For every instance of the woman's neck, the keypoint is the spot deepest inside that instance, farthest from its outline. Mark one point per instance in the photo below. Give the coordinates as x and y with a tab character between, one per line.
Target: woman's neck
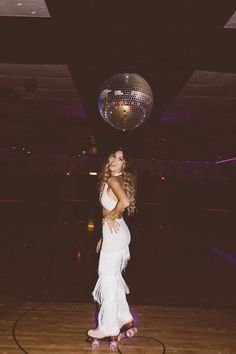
117	174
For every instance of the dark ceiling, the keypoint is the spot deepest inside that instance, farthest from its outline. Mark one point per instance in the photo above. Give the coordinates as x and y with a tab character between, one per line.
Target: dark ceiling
180	47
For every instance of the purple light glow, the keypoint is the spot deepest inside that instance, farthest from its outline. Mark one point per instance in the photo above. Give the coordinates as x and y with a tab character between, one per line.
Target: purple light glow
200	162
135	315
76	110
229	258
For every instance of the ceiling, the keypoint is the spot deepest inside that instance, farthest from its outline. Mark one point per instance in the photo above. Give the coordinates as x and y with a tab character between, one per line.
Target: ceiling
24	8
54	65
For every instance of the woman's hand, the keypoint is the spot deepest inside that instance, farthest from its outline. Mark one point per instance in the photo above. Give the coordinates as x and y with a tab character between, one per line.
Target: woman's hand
113	225
98	246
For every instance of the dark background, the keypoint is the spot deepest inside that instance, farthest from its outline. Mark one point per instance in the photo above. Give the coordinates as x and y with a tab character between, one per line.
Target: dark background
183	236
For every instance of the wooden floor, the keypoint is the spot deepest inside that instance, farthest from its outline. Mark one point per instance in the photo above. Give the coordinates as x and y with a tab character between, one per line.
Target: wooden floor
61	327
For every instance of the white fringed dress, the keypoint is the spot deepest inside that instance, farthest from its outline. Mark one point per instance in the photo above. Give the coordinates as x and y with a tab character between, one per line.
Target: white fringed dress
110	290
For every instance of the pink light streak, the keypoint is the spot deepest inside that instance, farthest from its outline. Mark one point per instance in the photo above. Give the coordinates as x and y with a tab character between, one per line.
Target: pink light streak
224	161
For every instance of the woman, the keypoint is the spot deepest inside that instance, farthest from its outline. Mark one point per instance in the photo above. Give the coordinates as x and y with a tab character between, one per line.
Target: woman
117	192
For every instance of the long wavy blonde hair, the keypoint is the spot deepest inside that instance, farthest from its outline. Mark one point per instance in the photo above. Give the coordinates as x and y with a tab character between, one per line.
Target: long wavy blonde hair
129	182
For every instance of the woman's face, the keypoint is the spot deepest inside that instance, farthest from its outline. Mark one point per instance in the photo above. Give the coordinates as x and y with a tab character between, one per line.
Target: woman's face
116	162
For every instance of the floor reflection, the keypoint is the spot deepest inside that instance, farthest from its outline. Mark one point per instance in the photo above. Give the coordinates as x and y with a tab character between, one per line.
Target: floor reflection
180	256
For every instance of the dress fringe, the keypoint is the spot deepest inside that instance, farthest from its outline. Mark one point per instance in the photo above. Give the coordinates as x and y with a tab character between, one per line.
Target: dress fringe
111	279
115	282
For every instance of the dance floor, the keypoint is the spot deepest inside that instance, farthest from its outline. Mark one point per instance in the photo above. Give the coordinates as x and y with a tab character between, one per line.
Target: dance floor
181	277
52	327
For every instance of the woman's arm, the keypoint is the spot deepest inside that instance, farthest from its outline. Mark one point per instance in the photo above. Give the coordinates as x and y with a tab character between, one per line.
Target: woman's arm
98	246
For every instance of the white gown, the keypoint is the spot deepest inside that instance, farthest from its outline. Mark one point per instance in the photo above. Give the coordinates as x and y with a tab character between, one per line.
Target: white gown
110	290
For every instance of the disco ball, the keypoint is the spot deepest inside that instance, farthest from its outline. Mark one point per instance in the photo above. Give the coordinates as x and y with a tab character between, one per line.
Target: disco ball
125	101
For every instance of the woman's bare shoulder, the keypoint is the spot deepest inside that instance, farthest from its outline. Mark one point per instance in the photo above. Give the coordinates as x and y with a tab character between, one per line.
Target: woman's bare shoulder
114	181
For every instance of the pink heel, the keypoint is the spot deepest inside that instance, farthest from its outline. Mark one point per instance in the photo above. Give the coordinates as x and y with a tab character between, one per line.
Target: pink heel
131	332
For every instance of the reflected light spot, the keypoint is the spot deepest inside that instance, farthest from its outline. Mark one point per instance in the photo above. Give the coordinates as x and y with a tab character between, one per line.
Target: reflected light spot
90	225
78	256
